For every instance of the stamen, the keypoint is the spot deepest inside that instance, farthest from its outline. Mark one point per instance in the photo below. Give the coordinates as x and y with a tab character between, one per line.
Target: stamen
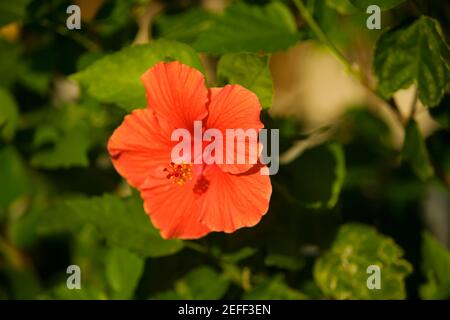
179	173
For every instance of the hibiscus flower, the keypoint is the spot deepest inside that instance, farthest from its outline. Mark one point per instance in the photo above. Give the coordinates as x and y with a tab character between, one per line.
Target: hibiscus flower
188	200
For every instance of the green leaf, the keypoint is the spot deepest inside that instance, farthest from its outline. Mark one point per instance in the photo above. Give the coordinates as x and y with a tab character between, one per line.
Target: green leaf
116	78
11	11
199	284
383	4
184	27
61	292
341	6
8	115
13	177
69	150
317	176
248	28
436	266
122	222
414	54
123	271
341	271
65	134
274	288
415	151
250	71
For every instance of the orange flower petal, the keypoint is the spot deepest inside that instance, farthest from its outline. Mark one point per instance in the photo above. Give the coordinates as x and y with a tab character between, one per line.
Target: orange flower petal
234	107
139	146
177	93
173	209
234	201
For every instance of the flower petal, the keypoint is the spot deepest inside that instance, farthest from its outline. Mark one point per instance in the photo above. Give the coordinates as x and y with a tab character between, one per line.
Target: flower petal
173	209
234	107
176	92
139	146
235	201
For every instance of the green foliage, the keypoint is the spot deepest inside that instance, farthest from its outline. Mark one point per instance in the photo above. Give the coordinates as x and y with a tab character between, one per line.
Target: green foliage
249	28
250	71
436	267
13	177
11	11
9	60
274	288
65	138
284	262
341	272
8	115
63	203
123	270
383	4
199	284
415	151
184	27
313	189
342	6
122	222
415	54
116	77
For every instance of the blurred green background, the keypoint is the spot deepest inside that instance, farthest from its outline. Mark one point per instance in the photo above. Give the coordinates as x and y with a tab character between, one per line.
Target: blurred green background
364	119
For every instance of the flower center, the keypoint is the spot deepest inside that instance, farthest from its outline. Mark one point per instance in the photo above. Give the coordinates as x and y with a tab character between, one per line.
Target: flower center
179	173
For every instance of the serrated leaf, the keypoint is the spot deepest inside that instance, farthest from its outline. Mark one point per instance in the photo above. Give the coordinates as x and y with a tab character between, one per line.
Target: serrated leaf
123	271
383	4
122	221
8	115
184	27
69	150
414	54
274	288
341	271
415	151
250	28
436	267
317	176
199	284
116	78
250	71
66	133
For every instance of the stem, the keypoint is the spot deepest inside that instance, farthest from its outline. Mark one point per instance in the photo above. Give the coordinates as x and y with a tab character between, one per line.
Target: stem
324	38
80	38
195	246
351	68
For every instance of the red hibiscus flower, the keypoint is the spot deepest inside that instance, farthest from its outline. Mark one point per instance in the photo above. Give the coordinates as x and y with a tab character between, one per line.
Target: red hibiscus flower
189	200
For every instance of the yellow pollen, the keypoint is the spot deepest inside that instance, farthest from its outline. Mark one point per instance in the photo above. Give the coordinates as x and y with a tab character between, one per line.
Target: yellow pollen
179	173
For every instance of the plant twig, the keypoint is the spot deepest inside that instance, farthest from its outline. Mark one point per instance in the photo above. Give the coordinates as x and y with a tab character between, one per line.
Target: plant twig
351	68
